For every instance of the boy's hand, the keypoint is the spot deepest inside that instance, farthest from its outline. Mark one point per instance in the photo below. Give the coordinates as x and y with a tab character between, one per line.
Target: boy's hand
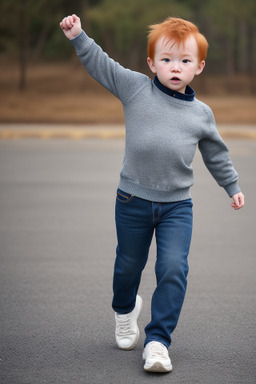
238	201
71	26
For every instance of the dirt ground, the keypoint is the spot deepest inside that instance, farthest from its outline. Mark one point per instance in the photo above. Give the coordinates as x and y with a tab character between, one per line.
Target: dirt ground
65	93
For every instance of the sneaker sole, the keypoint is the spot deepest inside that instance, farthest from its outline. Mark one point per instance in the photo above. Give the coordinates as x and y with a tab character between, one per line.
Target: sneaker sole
158	367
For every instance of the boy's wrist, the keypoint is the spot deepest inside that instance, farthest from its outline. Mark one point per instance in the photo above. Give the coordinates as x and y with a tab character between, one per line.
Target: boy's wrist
74	37
232	189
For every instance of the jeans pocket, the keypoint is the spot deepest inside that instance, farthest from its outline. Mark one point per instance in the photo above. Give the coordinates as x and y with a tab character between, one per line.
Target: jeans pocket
124	197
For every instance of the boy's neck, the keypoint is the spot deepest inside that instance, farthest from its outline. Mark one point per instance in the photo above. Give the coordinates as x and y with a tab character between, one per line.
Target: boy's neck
187	96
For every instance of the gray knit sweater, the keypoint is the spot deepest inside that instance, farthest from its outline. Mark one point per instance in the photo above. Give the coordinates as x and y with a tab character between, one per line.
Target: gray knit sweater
162	131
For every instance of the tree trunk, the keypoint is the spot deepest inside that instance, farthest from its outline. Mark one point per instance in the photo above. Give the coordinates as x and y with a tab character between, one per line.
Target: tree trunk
230	65
133	58
84	19
23	45
37	54
251	57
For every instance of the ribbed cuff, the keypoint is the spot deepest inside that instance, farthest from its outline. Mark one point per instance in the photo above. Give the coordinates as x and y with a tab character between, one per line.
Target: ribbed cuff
81	42
232	189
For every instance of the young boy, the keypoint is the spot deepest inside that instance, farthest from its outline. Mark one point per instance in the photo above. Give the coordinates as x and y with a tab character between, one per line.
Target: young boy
164	124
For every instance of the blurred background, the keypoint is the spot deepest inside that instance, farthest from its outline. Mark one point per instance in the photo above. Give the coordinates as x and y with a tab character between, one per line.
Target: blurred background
42	81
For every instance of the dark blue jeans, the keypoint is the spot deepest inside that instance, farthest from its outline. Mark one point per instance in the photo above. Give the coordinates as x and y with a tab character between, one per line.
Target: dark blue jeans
136	222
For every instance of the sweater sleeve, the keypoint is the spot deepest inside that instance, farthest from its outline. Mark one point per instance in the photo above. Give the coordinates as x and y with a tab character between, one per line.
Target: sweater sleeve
216	157
122	82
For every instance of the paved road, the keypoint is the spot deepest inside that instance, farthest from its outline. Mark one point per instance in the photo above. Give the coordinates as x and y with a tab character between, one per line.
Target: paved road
57	245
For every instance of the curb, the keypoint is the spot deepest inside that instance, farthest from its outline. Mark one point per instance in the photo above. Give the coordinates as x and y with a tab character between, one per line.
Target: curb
48	131
74	134
15	132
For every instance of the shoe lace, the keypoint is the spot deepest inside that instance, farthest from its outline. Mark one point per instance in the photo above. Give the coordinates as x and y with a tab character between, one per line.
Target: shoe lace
123	326
157	349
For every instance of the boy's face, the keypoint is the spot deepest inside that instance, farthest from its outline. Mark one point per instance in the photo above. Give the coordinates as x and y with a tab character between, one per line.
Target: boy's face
176	65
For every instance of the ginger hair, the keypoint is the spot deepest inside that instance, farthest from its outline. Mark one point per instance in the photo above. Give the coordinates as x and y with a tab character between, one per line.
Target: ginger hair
178	30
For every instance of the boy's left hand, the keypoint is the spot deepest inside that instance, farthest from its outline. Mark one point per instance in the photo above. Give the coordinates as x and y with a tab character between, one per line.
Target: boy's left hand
238	201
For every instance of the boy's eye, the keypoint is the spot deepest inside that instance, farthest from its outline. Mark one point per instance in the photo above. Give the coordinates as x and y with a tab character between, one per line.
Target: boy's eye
166	60
186	61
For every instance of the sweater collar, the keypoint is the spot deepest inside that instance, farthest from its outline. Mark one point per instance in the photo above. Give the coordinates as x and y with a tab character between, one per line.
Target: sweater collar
188	96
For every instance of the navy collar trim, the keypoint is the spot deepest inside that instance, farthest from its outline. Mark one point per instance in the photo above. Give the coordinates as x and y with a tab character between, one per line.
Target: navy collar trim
189	94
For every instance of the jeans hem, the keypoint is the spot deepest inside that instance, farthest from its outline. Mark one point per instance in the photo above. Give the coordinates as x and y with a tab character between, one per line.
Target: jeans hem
167	345
123	312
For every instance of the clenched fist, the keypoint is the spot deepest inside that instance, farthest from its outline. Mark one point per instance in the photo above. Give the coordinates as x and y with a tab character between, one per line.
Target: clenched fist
71	26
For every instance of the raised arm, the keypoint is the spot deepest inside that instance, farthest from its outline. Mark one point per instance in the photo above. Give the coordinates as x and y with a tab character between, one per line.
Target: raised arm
122	82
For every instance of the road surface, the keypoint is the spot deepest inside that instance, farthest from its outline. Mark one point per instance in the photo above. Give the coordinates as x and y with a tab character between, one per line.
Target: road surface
57	249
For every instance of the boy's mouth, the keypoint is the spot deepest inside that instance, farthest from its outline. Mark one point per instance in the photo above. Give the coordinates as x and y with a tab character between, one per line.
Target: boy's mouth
175	79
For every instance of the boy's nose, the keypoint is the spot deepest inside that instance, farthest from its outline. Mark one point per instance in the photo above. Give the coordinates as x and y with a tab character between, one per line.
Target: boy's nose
175	67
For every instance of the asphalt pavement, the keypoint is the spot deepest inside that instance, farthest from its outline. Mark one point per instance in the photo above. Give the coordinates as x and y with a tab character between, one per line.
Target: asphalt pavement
57	250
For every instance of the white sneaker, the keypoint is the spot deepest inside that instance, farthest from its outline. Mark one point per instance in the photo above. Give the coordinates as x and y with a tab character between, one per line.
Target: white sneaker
127	330
156	358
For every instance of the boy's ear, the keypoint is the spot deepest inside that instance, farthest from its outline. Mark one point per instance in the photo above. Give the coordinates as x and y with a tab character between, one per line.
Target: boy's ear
151	65
200	67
